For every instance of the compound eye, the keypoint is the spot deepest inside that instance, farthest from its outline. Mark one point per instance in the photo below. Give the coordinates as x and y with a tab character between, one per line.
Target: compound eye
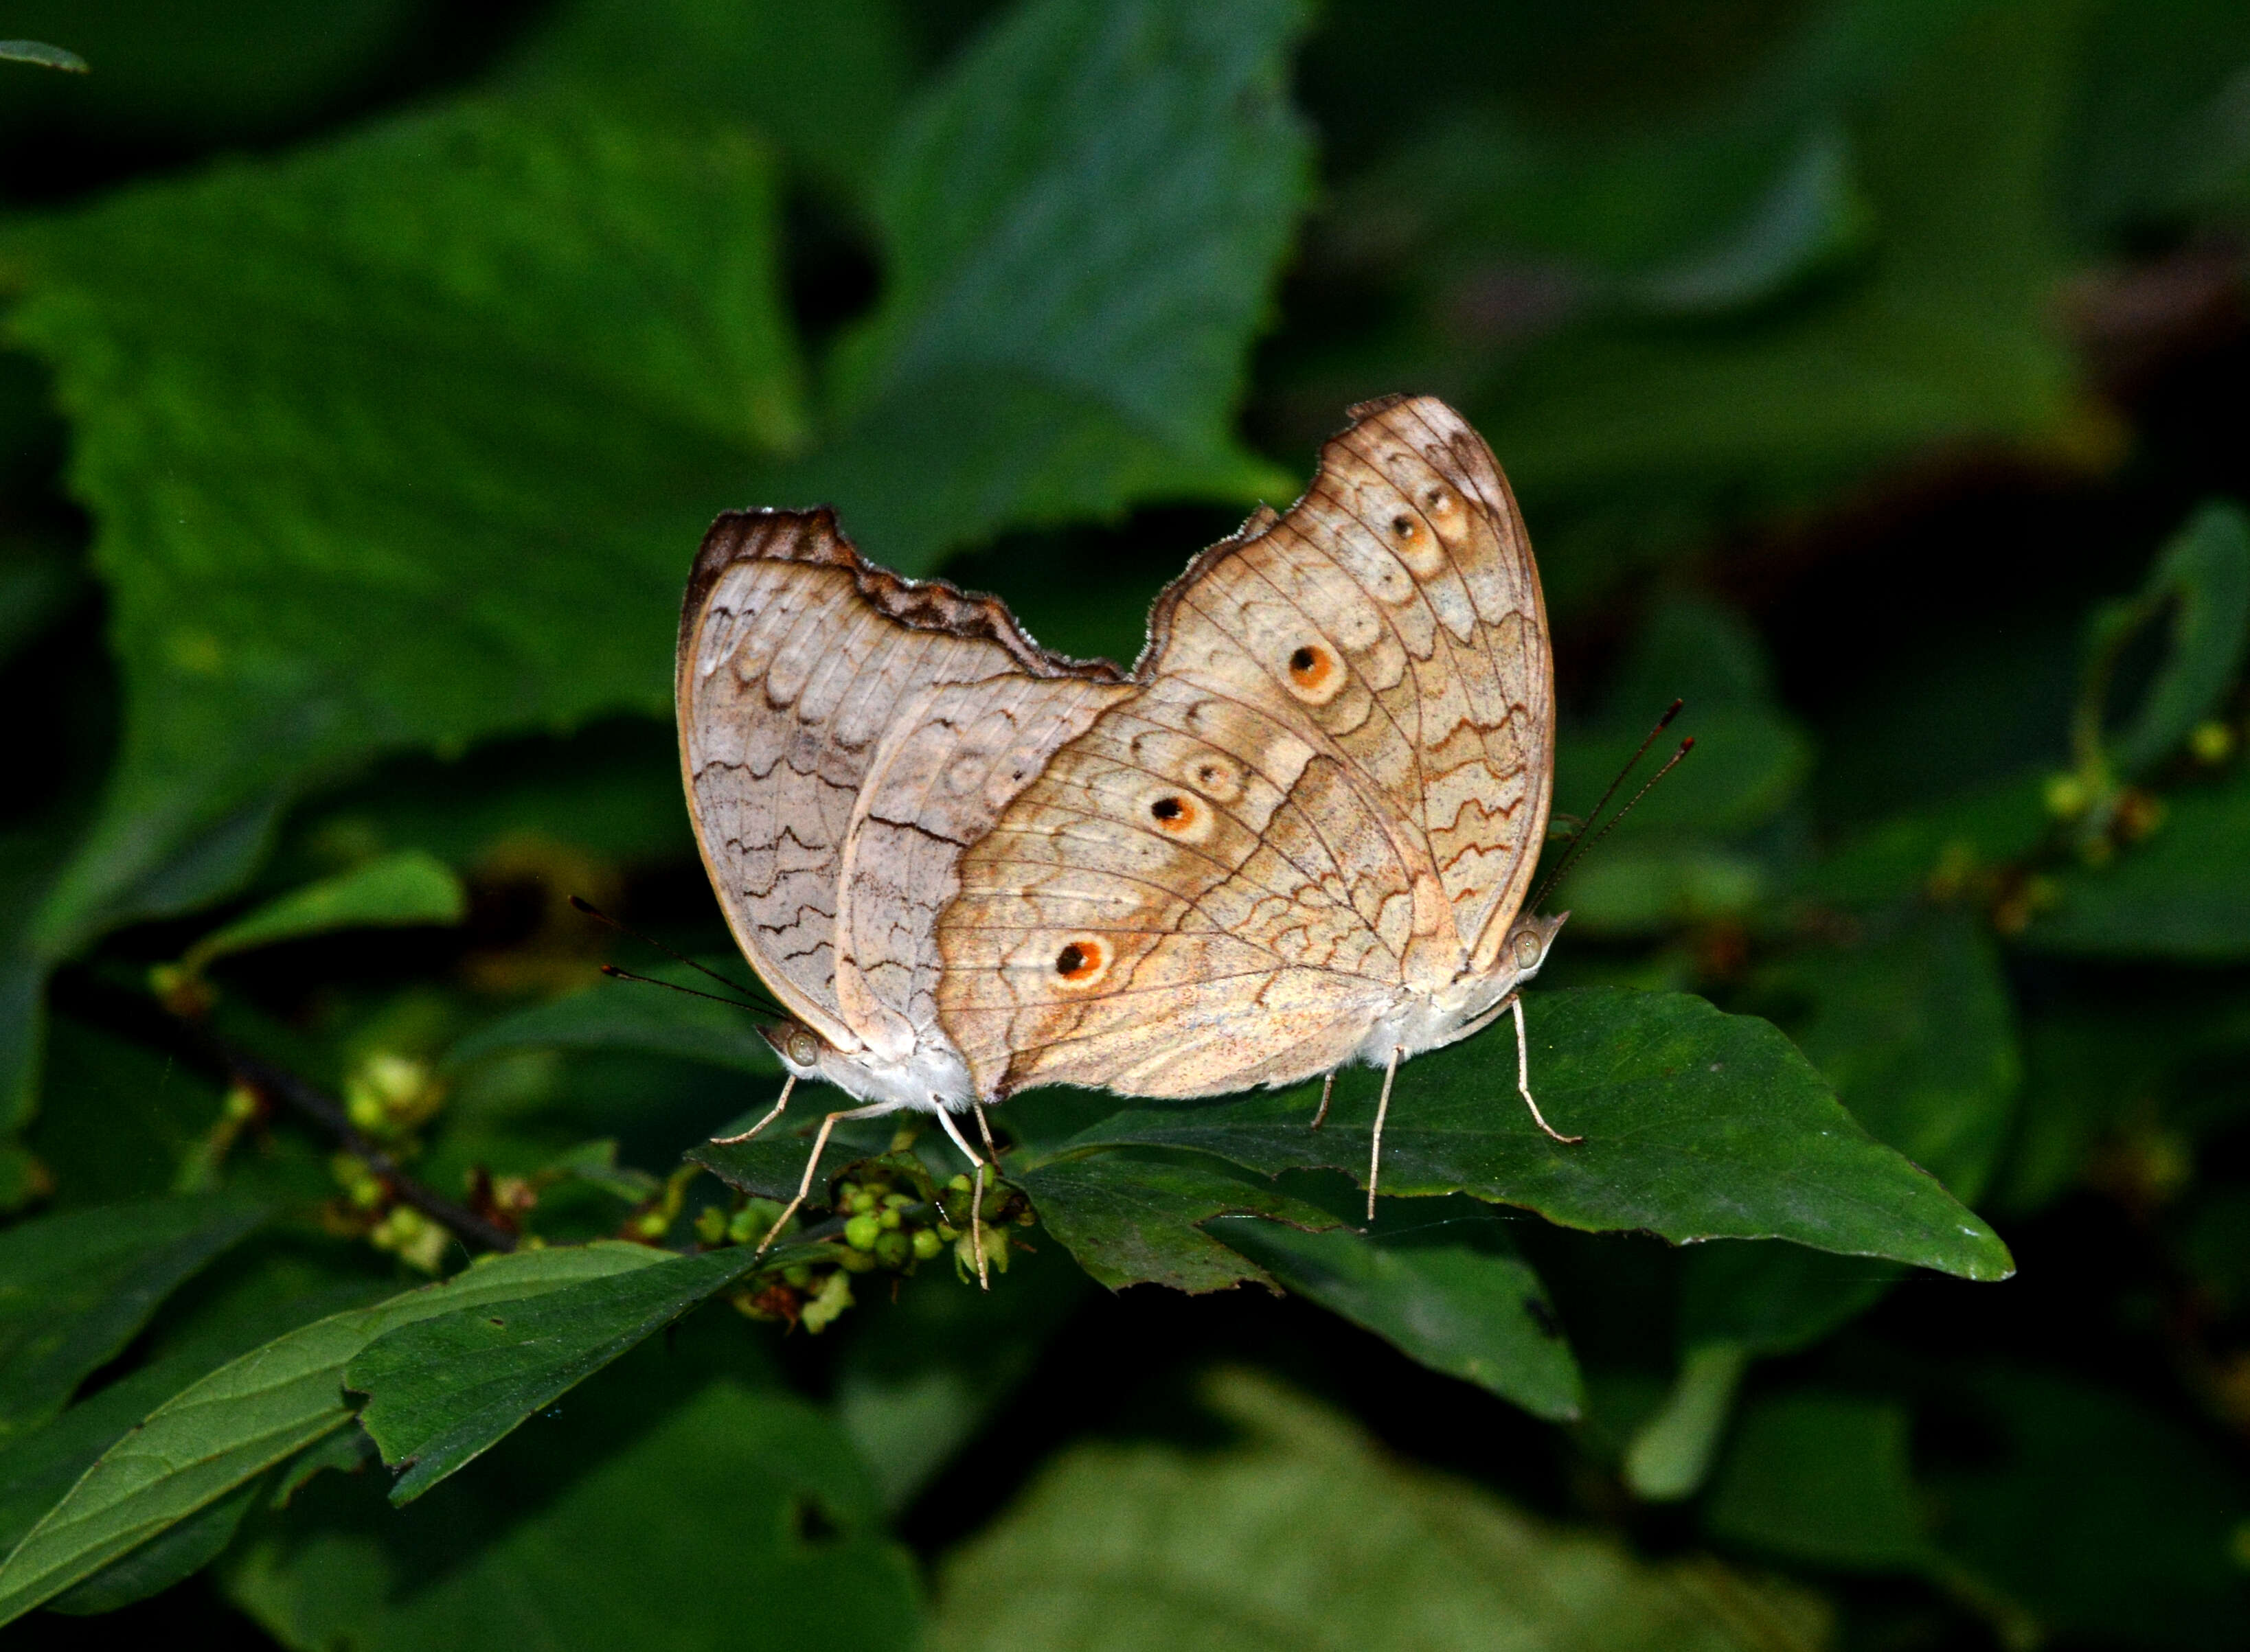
803	1049
1527	948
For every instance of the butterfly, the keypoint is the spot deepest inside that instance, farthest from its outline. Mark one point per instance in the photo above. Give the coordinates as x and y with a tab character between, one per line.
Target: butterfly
1297	834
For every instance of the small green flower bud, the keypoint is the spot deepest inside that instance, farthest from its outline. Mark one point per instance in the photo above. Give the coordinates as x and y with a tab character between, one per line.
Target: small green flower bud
798	1274
711	1225
889	1218
753	1221
927	1244
893	1248
653	1226
960	1184
2212	742
860	1233
829	1302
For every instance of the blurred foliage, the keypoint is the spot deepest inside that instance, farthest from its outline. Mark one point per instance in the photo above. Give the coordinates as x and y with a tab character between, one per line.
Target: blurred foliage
1869	374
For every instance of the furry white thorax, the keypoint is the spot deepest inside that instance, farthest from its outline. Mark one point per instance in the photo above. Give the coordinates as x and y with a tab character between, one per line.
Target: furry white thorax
930	1076
1466	1005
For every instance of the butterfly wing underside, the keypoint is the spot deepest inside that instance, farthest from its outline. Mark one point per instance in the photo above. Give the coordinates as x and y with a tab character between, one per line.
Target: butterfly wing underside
804	672
1330	793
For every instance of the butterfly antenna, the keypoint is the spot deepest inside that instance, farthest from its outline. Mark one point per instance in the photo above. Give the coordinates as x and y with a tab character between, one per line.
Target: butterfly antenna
615	973
1579	837
1583	844
601	917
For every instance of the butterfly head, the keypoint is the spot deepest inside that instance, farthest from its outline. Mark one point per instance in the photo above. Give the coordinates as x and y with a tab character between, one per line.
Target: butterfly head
798	1046
1528	943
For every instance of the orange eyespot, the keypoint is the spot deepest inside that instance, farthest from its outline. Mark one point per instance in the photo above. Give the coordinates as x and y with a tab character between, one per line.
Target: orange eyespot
1174	815
1402	525
1081	960
1311	666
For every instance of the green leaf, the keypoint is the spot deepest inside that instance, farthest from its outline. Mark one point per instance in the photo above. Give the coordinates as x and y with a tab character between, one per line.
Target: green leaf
45	55
75	1289
2183	894
771	1165
395	891
2203	575
434	343
1134	1217
178	1551
630	1017
1670	1453
1440	1280
1698	1126
1305	1535
443	1390
1083	218
782	70
1822	1480
1916	1030
661	1508
248	1415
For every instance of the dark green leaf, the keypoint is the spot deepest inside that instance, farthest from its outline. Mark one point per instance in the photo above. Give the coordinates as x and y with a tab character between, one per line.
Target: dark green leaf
660	1507
178	1551
441	340
2183	894
784	70
1698	1126
46	56
2203	575
1305	1534
1770	1299
443	1390
1823	1480
75	1289
410	887
770	1165
1133	1217
1082	217
246	1416
1939	849
1439	1279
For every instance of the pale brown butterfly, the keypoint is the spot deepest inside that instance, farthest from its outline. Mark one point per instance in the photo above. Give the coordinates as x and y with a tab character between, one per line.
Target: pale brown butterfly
1297	834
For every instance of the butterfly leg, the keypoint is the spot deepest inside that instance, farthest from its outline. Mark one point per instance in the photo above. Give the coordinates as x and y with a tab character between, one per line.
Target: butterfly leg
1382	1108
1523	1076
1328	1089
728	1141
977	1193
813	1165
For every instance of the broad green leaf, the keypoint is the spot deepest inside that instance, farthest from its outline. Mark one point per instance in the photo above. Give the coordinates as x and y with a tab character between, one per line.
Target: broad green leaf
1305	1535
1082	218
660	1507
783	68
445	1389
1823	1480
770	1165
248	1415
45	55
2203	577
2183	894
1698	1126
75	1289
1634	439
1916	1029
624	1014
179	1550
492	368
1772	1300
1134	1217
1439	1279
410	887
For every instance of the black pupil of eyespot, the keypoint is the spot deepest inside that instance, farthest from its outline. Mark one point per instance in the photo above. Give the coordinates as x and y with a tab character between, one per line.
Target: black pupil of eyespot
1165	809
1301	660
1070	960
1401	526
